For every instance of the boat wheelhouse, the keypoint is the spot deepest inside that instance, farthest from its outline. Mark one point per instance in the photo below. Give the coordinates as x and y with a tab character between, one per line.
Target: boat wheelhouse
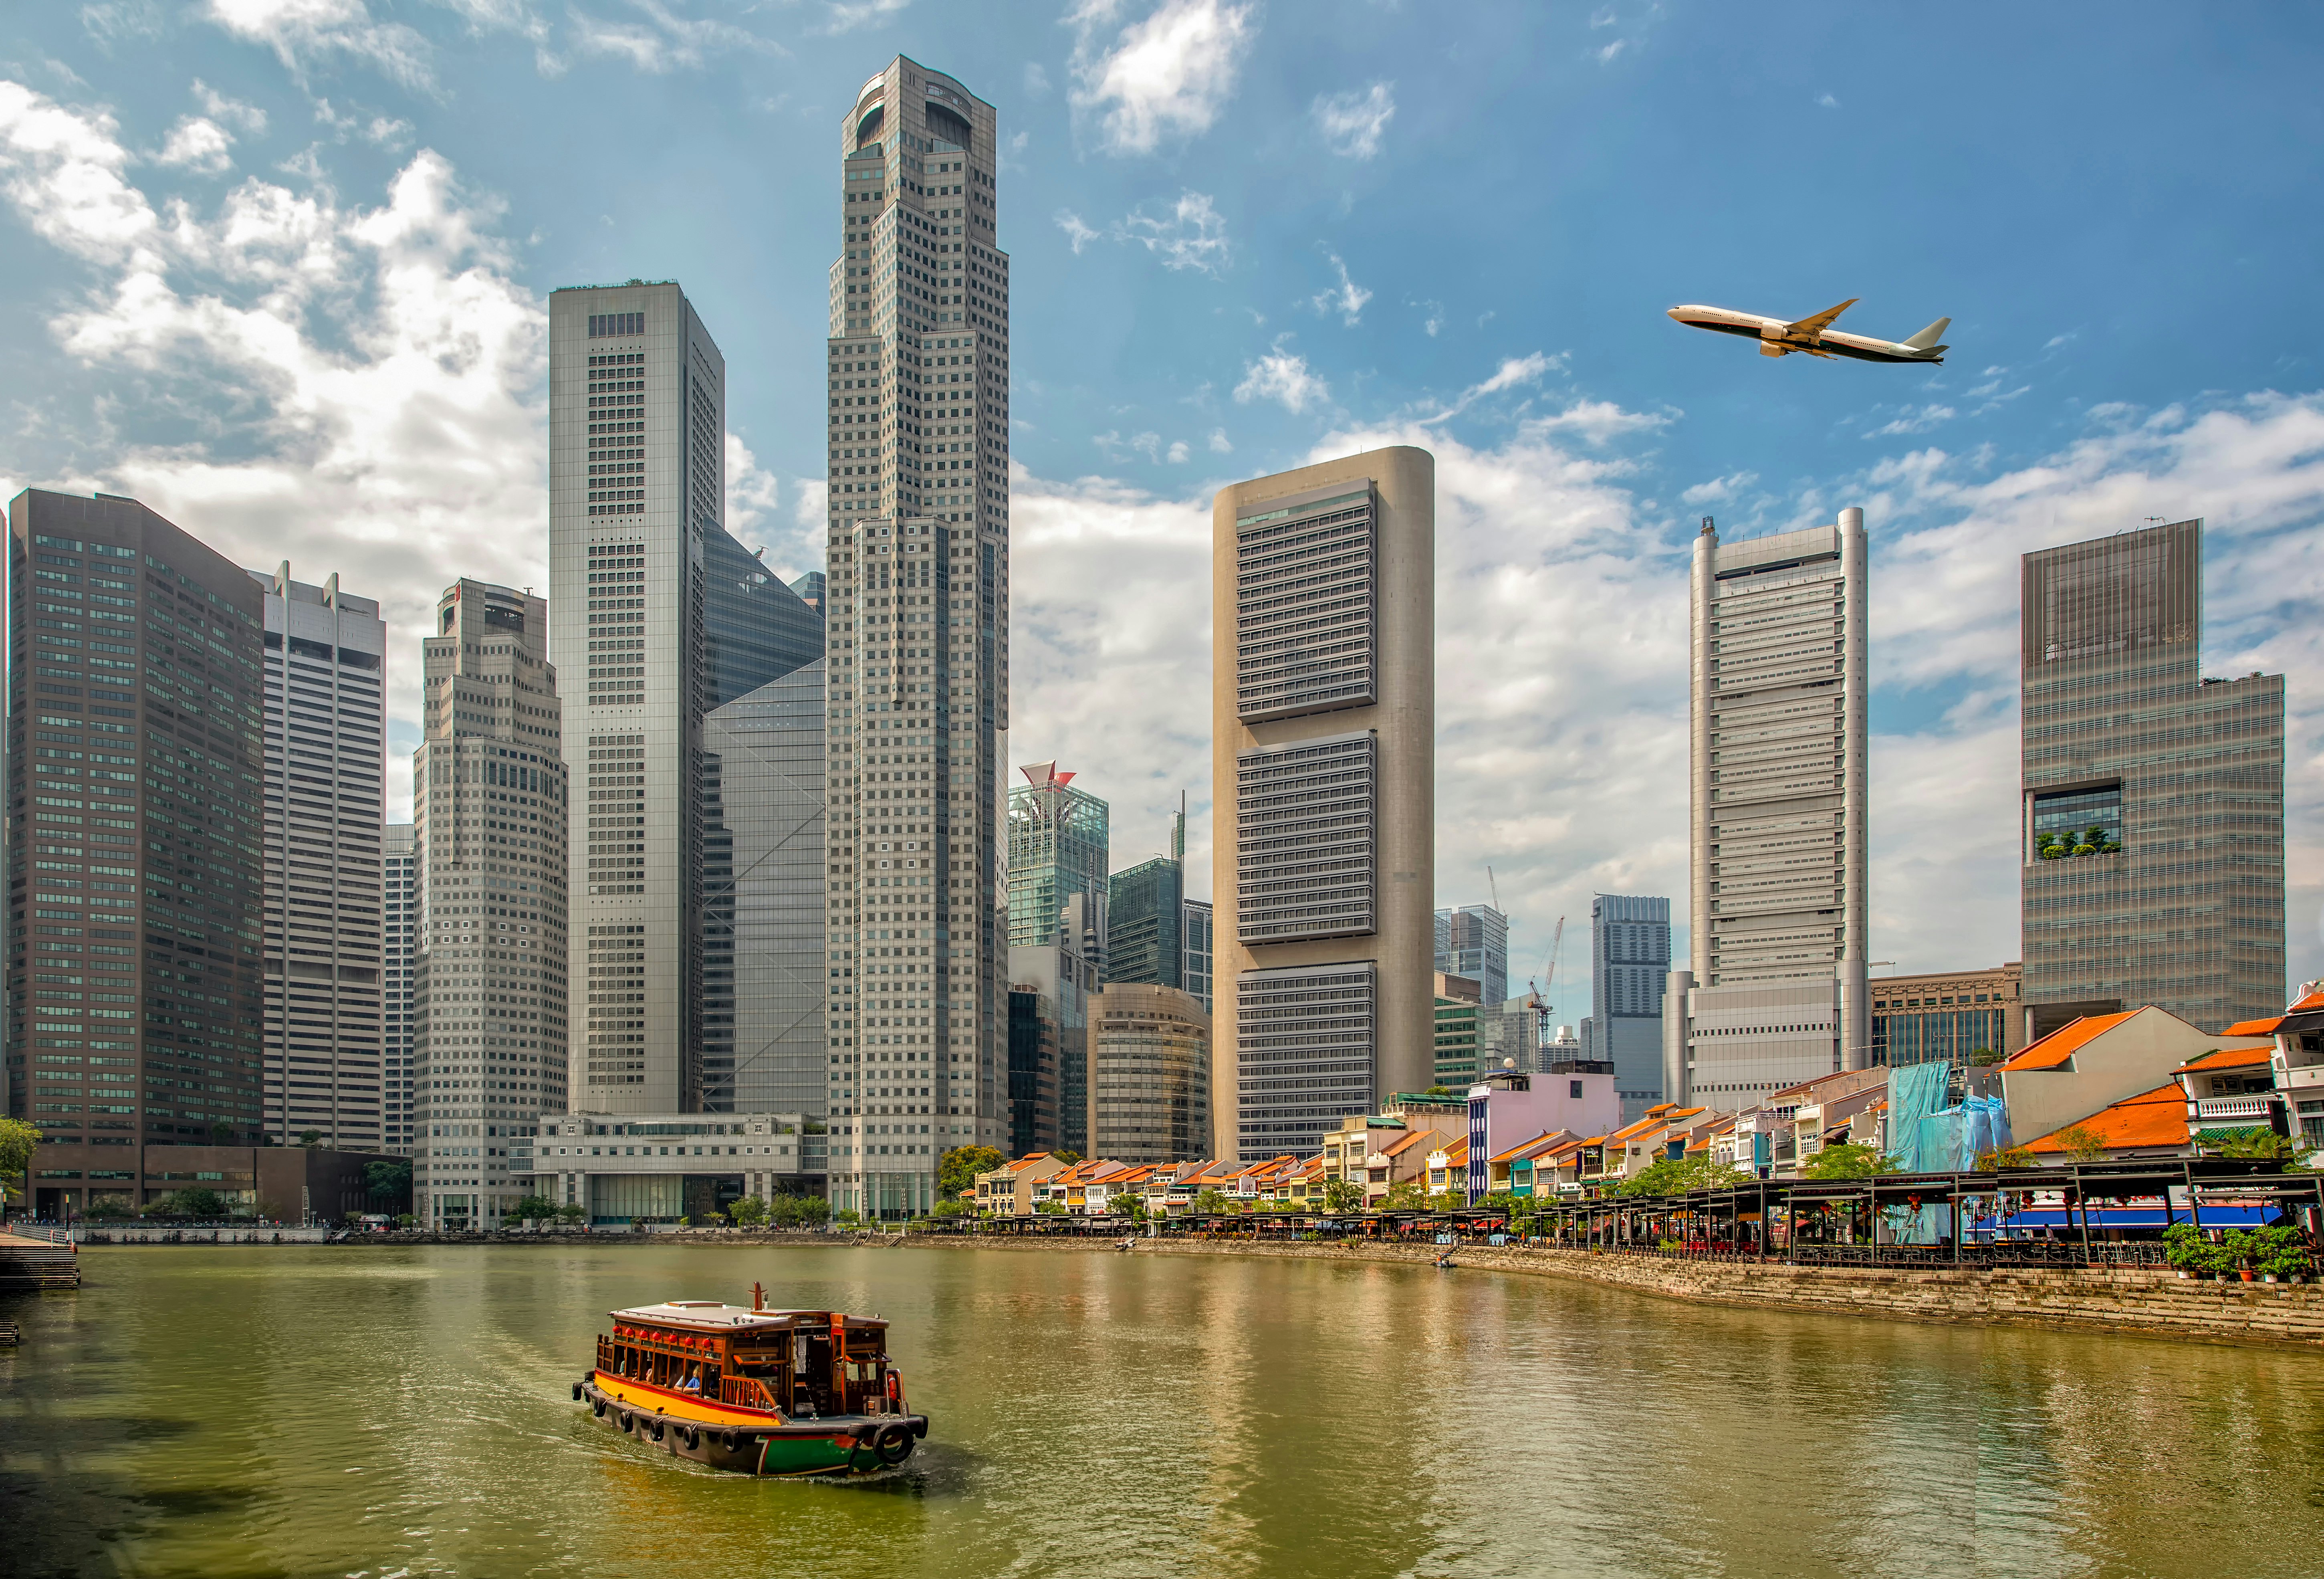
755	1392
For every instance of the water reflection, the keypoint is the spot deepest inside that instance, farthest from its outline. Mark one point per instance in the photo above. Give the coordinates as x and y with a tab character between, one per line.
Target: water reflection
249	1411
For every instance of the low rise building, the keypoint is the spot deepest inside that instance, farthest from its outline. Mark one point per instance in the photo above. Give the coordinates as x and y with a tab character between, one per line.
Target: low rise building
1948	1016
639	1169
1007	1191
2098	1060
1576	1095
2297	1060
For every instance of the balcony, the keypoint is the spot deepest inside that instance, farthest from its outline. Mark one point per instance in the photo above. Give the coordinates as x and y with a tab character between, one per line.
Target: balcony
2224	1110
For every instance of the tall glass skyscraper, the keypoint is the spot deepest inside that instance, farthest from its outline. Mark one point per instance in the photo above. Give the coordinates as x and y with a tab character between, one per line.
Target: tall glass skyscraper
325	792
1775	994
1058	847
918	568
661	616
2152	839
763	900
1473	941
1146	918
1629	962
399	965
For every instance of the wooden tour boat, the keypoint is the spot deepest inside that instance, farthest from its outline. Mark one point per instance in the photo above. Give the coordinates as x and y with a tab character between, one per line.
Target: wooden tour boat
755	1392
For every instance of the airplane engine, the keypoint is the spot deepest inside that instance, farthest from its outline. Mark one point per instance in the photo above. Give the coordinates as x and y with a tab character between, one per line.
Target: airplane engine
1769	349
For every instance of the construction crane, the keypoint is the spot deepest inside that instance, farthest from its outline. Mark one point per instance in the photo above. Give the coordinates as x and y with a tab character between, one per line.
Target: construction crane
1540	1009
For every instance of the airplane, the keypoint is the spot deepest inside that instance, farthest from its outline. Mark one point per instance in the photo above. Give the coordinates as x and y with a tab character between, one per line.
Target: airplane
1815	336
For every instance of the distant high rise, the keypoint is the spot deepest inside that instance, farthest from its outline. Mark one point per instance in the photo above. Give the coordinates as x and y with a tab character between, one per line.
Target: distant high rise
661	616
326	793
1149	1075
491	805
810	588
1146	923
1065	973
1199	951
136	749
918	429
398	966
1629	965
1323	707
1455	1050
764	990
2152	845
1058	847
1777	992
1473	941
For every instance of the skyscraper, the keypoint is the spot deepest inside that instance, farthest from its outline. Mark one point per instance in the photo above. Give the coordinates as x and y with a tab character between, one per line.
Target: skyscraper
1323	707
2153	842
1146	918
399	968
136	754
490	802
1198	934
918	597
1776	995
1058	847
664	617
1473	941
1149	1080
325	792
1630	964
763	900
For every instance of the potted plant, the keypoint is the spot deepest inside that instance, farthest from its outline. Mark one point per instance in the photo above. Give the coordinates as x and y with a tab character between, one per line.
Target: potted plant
2186	1248
2281	1254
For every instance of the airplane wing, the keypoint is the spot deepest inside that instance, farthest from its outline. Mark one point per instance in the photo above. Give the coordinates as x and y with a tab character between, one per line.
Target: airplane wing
1813	326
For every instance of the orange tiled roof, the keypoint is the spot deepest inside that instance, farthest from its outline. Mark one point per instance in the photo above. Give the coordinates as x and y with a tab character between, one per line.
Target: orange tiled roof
1456	1152
2308	1005
1519	1150
2228	1059
2063	1043
2152	1118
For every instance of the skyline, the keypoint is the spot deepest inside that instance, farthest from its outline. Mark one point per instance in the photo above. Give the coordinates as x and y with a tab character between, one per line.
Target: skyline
399	285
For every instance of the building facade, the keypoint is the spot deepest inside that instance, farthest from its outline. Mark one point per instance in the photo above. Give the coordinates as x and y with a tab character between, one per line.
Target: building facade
1956	1017
1198	940
1063	976
1776	991
1150	1079
1058	847
398	972
326	799
661	617
491	805
918	597
2152	840
1455	1052
136	752
1630	964
632	1170
1323	709
763	986
1145	916
1473	941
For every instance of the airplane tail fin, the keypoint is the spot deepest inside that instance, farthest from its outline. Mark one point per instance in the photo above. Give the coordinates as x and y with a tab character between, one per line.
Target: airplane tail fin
1928	336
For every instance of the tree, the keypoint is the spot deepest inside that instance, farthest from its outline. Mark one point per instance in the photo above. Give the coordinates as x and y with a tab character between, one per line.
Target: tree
537	1207
2082	1144
2257	1144
1209	1203
848	1217
749	1212
1675	1176
948	1209
389	1180
18	1139
1983	1057
1411	1195
194	1204
310	1139
1998	1161
221	1134
957	1169
1068	1158
1849	1162
801	1211
1342	1196
567	1216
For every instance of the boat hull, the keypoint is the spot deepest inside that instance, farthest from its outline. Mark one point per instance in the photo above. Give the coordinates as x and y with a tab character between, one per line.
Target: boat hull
749	1443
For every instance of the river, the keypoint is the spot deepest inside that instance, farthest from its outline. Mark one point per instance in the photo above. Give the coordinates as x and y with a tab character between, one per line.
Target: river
342	1410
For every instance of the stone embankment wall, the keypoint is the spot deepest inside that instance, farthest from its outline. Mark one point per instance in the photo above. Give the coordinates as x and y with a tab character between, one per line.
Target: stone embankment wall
2160	1303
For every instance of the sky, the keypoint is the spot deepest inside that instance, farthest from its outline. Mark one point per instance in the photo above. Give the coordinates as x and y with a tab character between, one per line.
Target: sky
280	269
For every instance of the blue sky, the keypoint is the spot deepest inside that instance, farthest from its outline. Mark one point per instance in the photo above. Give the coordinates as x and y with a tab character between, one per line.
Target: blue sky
279	267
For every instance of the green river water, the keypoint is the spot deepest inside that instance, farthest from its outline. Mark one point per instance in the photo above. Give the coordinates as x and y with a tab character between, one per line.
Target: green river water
342	1410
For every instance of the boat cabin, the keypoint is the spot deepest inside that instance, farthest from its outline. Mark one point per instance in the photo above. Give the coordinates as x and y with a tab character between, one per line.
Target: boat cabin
803	1364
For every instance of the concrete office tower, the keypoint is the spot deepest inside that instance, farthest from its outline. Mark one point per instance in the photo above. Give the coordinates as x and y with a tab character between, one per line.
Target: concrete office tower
1323	707
2153	842
661	616
811	589
1150	1079
1473	941
1065	974
1145	916
918	600
1058	847
326	795
1777	992
398	968
490	801
763	985
1199	950
1630	961
135	751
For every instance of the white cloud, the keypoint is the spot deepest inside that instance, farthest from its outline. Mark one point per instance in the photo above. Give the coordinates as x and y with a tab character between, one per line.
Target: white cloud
1827	101
197	144
248	117
1605	55
1178	453
1219	444
1432	323
1914	420
845	15
1352	122
1036	81
753	492
1596	422
1514	372
110	22
1347	298
663	41
1079	234
1191	233
1719	489
1282	375
379	131
1167	76
353	388
299	31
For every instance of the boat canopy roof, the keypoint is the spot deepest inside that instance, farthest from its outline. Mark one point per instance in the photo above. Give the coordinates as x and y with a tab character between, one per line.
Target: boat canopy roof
712	1314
